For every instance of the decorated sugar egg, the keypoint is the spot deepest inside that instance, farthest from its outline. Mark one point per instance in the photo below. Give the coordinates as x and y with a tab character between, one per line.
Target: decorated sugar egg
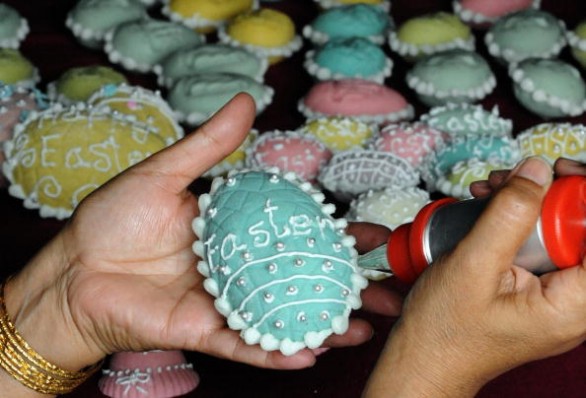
281	268
554	140
351	173
59	156
302	154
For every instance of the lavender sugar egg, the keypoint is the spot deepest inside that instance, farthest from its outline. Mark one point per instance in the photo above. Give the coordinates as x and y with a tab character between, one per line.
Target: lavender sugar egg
282	270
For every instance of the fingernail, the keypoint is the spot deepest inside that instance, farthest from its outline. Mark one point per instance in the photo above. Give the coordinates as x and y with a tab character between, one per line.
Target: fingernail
535	169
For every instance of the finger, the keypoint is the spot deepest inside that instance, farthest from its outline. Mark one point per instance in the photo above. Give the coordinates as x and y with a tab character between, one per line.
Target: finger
381	300
359	332
567	167
227	344
489	249
480	188
191	156
497	177
368	236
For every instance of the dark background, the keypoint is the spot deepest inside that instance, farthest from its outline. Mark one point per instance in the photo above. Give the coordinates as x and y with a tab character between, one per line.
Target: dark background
338	373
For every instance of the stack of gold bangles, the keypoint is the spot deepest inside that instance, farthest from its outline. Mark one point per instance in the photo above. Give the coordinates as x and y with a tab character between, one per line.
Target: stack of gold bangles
23	363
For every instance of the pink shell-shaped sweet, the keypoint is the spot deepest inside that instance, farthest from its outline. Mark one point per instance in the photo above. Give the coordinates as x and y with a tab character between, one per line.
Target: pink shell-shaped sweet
483	13
410	141
157	374
289	151
495	8
365	100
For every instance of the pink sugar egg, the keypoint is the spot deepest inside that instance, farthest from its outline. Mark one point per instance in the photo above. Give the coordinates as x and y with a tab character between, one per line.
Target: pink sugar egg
302	154
482	13
410	141
368	101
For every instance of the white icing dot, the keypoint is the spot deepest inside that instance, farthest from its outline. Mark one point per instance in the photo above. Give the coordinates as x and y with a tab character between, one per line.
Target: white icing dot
324	315
299	262
279	324
272	268
318	288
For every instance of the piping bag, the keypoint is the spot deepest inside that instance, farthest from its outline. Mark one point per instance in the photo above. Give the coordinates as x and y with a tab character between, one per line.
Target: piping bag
557	241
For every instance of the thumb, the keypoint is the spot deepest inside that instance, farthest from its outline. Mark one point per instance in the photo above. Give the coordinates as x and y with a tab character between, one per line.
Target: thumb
490	248
191	156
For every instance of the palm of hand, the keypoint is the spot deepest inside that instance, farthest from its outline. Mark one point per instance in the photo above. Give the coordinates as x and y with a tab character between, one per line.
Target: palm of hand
141	275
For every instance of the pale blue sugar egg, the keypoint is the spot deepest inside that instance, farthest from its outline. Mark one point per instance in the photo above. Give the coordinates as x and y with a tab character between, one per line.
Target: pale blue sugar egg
281	268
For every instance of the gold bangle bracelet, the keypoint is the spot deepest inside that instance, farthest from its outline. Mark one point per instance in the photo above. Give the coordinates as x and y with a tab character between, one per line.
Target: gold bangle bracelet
27	366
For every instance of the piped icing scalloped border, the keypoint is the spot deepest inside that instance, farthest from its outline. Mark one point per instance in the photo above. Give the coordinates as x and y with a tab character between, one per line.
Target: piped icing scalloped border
510	56
317	37
576	41
469	16
528	85
289	278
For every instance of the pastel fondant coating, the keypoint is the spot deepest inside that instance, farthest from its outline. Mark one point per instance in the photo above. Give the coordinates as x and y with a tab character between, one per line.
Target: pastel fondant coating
79	83
451	76
368	101
210	58
15	69
289	151
388	206
90	20
410	141
500	148
456	182
353	20
430	33
58	156
143	105
195	98
161	374
467	119
549	88
267	32
140	45
554	140
350	173
353	57
481	13
281	268
339	133
526	34
205	15
13	27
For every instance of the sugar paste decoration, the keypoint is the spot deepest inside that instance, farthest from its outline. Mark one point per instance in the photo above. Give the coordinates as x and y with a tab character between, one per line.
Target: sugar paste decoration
554	140
58	156
351	173
281	268
467	119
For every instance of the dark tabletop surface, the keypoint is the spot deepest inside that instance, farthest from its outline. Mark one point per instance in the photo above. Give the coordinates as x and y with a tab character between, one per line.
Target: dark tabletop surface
338	373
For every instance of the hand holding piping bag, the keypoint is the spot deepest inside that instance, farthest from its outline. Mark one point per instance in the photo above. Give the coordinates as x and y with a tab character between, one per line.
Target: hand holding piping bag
475	314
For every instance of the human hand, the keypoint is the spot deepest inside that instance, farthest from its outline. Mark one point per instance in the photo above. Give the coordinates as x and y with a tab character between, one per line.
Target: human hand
121	275
474	314
561	167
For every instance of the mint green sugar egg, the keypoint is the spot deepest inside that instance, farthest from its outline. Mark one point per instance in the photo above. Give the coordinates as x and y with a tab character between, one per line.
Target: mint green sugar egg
281	268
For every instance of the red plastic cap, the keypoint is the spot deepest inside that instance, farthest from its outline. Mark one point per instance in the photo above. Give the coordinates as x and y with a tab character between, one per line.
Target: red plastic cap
563	221
399	256
405	245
